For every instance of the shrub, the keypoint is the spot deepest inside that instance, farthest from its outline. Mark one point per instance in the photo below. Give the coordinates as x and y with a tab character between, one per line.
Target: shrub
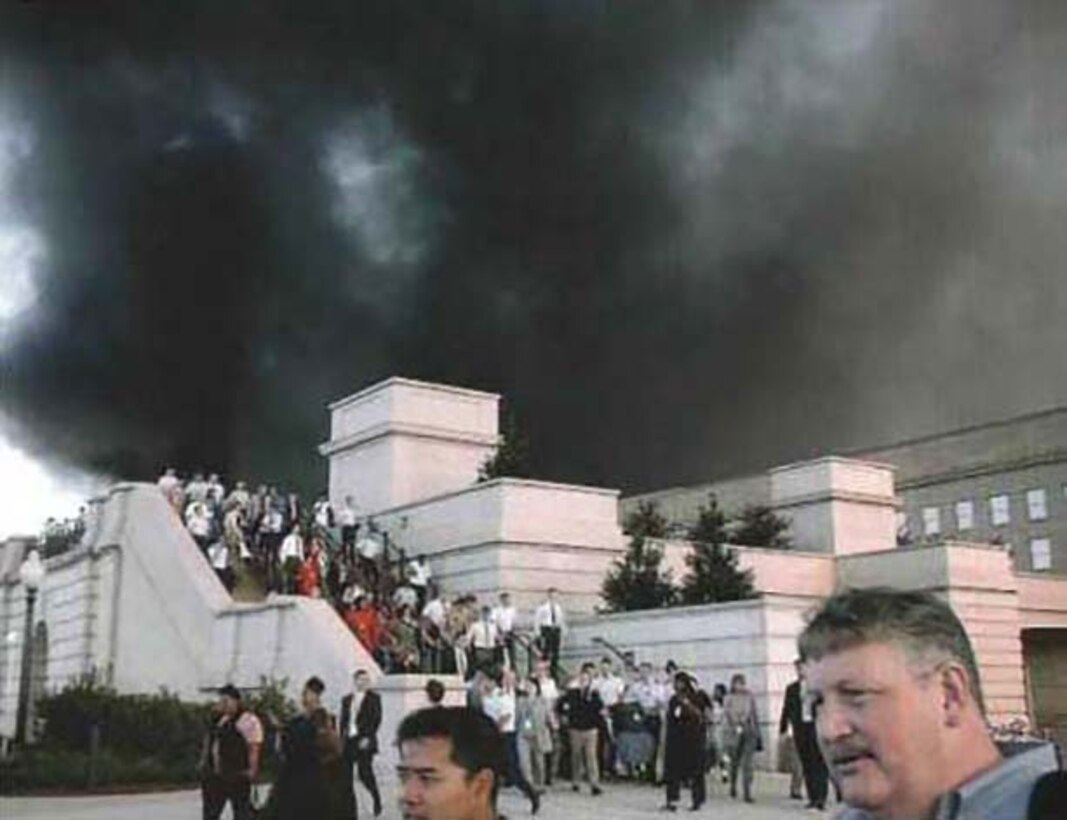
142	739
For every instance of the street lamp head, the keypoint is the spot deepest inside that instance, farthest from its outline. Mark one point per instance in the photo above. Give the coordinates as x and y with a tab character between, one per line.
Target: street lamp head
31	572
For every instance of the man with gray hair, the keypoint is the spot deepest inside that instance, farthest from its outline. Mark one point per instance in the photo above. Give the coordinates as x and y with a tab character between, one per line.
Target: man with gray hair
899	713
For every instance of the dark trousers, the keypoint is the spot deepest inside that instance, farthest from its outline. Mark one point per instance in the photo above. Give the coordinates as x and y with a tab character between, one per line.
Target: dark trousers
550	640
696	785
816	776
606	748
363	763
217	791
348	544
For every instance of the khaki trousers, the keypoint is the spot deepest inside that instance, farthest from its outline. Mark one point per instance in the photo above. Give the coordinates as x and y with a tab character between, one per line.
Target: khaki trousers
584	755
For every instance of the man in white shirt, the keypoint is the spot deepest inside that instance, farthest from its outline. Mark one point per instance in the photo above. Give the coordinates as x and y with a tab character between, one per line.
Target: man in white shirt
199	521
504	617
550	693
219	556
216	492
290	554
322	513
361	717
500	706
483	639
347	520
610	687
434	647
550	624
370	548
196	490
419	575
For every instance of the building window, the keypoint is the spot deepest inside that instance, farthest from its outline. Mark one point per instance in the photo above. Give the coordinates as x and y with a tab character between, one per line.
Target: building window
1036	505
931	521
1040	554
998	510
964	515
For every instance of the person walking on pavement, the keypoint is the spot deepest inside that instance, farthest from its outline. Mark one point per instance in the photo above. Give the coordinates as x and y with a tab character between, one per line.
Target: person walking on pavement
361	717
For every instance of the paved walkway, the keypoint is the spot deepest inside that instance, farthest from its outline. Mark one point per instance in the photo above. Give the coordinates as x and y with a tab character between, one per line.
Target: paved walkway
619	802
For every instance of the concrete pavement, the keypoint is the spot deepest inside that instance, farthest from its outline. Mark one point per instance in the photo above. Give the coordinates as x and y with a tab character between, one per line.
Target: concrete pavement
619	802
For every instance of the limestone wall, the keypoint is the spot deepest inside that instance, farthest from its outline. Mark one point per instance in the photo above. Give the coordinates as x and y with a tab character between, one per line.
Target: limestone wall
139	606
517	535
781	572
756	638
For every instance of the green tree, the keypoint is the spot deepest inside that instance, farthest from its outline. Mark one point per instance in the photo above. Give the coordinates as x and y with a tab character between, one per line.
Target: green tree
637	580
713	574
760	526
511	458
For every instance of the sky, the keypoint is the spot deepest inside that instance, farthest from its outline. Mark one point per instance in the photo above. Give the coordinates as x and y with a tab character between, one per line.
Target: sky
683	239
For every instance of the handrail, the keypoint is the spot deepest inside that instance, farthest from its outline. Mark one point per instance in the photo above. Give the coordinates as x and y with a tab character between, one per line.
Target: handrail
632	667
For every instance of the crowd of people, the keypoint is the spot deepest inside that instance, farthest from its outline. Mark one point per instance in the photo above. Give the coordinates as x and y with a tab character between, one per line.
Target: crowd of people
390	601
925	751
283	546
640	725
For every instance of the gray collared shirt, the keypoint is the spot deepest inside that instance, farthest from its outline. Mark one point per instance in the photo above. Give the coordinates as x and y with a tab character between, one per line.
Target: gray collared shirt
1002	793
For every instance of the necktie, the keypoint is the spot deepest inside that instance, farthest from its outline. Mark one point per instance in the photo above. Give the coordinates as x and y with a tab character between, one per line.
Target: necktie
551	614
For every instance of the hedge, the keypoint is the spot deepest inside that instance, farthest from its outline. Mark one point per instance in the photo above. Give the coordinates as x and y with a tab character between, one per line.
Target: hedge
142	739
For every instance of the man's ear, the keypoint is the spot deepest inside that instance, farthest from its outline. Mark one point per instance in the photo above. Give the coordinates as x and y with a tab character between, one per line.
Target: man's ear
482	784
956	695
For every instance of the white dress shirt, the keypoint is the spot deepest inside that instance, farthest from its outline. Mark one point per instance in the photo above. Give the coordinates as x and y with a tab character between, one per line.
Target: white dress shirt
549	614
501	704
292	547
482	635
504	618
609	688
357	701
435	612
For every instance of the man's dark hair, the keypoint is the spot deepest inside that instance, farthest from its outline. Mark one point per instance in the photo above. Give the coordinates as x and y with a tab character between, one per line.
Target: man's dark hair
920	623
476	742
316	685
435	690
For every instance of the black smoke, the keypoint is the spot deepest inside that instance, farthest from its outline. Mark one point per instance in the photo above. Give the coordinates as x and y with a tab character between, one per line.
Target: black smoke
683	238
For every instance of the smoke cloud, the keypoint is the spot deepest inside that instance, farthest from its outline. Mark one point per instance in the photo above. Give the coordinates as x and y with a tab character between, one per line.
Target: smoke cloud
684	239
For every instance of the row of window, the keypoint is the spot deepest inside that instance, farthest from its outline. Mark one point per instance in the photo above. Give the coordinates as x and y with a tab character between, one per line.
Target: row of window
999	511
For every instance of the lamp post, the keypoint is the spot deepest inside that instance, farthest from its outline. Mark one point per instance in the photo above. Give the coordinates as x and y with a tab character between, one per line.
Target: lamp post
31	573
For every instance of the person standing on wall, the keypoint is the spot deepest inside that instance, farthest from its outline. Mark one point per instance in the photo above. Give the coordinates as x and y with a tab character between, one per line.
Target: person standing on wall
550	624
361	717
798	718
230	760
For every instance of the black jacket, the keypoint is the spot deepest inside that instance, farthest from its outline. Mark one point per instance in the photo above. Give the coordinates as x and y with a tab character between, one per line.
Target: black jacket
581	709
792	714
368	719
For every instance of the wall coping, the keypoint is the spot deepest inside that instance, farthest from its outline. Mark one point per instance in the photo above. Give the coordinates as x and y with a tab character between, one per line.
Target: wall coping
822	496
398	381
937	545
384	429
669	612
499	482
880	465
790	552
